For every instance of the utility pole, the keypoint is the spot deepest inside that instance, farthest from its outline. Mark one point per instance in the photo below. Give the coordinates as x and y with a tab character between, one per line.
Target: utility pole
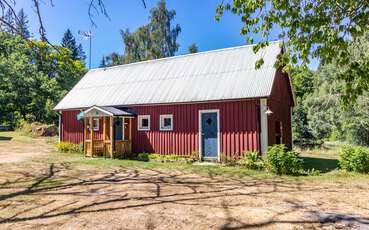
87	35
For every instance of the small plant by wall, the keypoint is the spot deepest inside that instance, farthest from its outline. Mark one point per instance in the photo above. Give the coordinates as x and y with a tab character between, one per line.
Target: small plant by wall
227	160
155	157
194	156
142	157
251	160
354	159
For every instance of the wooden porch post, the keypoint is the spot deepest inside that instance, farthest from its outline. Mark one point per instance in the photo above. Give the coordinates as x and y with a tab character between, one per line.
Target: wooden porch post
123	129
130	129
91	138
111	137
104	136
130	135
85	136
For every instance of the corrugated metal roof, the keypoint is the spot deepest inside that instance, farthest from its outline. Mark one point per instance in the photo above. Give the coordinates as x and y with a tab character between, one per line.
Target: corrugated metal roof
207	76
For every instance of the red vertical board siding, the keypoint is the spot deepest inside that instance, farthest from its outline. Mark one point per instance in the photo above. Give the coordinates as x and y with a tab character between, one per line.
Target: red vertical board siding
280	103
238	131
237	122
72	129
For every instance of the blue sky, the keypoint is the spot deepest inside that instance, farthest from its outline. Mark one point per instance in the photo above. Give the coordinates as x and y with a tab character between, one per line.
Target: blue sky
196	18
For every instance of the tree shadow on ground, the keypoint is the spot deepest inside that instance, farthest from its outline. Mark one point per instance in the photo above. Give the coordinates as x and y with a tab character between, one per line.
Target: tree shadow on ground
322	164
2	138
128	189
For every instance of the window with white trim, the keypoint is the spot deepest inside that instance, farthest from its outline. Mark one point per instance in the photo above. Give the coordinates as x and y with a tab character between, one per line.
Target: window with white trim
143	122
166	122
96	124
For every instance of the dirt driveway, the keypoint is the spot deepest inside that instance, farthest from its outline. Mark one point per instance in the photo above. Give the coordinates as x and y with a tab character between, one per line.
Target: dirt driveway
49	192
16	149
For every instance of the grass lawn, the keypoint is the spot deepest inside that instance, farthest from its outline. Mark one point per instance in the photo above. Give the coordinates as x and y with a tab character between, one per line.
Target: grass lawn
40	188
324	159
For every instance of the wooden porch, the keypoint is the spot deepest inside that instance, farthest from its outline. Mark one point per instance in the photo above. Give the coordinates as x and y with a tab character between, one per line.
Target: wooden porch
112	140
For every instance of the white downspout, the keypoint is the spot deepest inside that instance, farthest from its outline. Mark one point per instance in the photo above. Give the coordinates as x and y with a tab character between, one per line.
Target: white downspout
264	126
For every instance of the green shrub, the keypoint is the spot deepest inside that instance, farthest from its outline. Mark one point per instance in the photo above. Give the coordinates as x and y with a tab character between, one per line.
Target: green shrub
24	128
153	156
312	172
251	160
143	157
354	158
67	147
283	162
171	157
166	158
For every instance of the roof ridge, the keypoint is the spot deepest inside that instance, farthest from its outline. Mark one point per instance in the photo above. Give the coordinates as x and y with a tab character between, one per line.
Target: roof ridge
178	56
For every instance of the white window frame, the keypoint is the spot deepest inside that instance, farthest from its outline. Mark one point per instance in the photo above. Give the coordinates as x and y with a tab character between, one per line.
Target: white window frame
139	119
162	117
96	128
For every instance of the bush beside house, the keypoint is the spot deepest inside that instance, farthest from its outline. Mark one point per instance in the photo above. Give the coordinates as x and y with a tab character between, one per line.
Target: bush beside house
283	162
354	159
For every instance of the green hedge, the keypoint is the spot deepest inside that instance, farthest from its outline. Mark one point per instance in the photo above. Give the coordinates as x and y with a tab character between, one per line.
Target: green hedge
354	159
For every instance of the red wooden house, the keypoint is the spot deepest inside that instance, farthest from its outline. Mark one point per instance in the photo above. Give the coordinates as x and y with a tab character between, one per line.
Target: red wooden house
211	103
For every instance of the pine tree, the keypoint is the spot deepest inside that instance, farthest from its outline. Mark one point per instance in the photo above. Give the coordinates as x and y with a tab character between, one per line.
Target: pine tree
69	42
81	53
22	25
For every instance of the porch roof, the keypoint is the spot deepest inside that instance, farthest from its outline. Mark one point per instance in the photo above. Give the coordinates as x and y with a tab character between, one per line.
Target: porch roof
107	111
118	112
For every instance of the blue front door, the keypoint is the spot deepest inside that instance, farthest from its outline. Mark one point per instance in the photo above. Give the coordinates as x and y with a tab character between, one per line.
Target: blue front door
209	135
118	129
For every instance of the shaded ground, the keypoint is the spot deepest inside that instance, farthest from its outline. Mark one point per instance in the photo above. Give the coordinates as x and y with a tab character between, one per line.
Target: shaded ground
53	191
324	159
322	164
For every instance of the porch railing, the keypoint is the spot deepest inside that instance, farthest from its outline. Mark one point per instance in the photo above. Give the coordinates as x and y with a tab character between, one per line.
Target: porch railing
121	148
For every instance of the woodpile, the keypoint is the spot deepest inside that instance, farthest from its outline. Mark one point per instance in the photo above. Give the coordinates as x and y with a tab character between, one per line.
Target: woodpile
40	129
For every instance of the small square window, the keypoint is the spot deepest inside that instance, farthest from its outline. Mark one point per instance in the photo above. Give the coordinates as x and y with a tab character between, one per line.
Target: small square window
166	122
95	124
143	122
